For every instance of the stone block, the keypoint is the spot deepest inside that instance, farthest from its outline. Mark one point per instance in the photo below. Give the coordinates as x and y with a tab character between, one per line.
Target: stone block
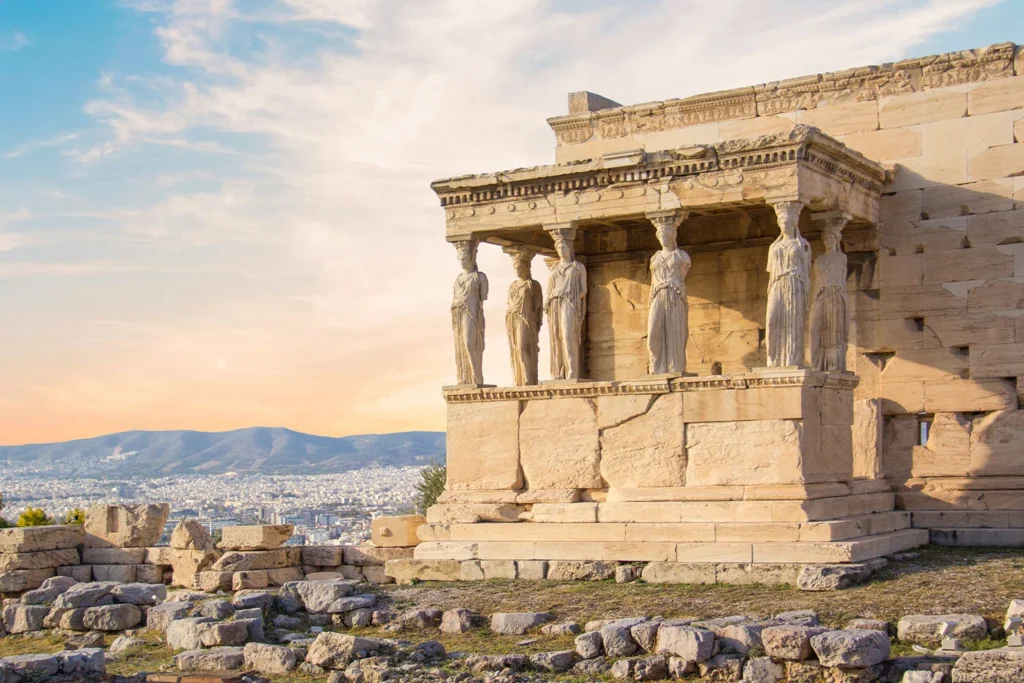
368	555
248	560
558	444
119	573
867	436
714	552
323	556
113	555
282	575
921	107
41	538
214	659
1003	664
531	570
842	119
409	570
678	572
396	531
744	453
1002	161
857	648
647	450
190	534
997	360
214	581
46	559
125	526
926	629
258	537
885	145
737	405
994	444
112	617
562	513
995	228
517	623
482	446
969	395
669	533
981	196
639	512
997	95
80	573
24	618
250	579
470	513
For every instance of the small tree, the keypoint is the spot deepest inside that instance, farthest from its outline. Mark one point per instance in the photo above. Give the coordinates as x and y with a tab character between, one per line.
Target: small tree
3	522
74	516
431	486
34	517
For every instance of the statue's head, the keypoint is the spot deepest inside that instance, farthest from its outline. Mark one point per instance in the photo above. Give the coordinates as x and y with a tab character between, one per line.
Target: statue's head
667	236
788	215
521	262
563	247
466	250
830	239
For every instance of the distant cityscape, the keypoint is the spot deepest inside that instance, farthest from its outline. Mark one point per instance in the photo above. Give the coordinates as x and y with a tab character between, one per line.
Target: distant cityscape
325	509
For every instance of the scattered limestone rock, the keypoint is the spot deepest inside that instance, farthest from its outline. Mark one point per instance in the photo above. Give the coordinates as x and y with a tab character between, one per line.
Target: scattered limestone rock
517	623
686	642
407	570
800	617
217	609
869	625
858	648
48	592
641	668
479	663
189	534
830	577
990	666
789	642
112	617
723	667
125	526
24	618
617	640
159	617
571	570
926	629
567	628
186	634
763	670
217	659
318	596
123	643
589	645
271	660
139	594
460	620
223	633
249	599
336	650
554	662
352	603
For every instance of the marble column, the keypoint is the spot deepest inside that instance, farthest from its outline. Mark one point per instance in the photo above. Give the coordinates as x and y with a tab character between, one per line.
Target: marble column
566	304
667	312
789	261
829	327
523	318
470	292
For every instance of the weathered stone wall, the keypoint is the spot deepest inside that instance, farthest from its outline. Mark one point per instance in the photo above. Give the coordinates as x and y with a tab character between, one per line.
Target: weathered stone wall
937	331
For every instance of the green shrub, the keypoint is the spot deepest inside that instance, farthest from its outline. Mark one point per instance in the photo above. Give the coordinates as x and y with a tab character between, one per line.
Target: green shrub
431	486
34	517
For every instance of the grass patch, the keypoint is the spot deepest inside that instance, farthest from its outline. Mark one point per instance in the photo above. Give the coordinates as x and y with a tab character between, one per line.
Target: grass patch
20	645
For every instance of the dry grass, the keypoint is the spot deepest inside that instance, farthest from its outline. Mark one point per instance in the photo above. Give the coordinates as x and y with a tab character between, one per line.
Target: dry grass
939	581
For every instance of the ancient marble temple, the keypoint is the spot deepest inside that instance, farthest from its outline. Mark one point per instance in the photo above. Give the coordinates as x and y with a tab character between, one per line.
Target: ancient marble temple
781	322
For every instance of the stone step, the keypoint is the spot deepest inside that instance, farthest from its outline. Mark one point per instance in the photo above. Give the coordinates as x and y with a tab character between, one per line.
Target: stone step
1005	538
968	519
685	532
855	550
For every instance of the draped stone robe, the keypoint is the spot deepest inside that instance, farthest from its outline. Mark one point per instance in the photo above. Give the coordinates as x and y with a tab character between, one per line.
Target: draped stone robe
829	318
788	270
667	325
468	326
566	305
522	322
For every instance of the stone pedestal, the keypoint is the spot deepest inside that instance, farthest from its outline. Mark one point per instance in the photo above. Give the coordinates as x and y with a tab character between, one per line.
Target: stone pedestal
755	468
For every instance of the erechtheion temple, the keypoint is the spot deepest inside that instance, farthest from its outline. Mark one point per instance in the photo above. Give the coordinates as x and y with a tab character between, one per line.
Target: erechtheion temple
784	324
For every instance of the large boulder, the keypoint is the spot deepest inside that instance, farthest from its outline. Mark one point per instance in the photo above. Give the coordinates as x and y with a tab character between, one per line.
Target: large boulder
517	623
139	593
187	633
850	649
589	645
336	650
990	666
190	534
112	617
272	660
159	617
86	595
352	603
48	592
24	618
686	642
219	634
789	642
88	662
926	629
460	620
125	526
259	537
318	596
618	640
217	659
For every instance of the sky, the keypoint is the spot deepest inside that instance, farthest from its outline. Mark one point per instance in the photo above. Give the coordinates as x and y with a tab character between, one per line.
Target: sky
216	214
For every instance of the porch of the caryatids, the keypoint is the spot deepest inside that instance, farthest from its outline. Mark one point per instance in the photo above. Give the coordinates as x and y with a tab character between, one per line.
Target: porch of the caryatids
667	313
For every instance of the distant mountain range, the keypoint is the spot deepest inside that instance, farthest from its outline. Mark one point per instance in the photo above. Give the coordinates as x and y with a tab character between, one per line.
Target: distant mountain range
265	450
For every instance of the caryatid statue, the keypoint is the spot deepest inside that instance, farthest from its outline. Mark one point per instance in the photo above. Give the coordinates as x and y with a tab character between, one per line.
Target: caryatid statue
523	319
566	305
667	326
468	316
829	318
789	263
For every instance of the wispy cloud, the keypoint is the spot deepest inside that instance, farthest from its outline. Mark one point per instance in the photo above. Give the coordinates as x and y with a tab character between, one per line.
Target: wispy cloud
26	147
14	42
